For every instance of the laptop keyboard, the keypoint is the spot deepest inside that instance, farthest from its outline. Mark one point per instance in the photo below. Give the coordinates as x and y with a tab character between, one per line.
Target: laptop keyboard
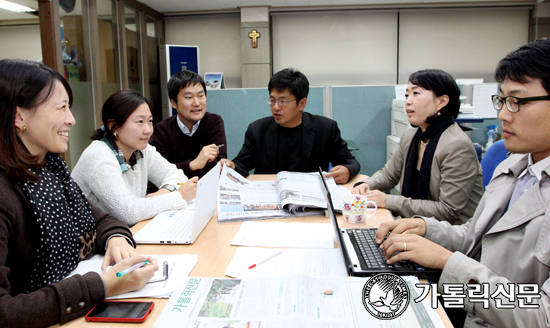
371	256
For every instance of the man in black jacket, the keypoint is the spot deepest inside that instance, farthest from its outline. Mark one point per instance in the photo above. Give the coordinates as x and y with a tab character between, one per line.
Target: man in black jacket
292	140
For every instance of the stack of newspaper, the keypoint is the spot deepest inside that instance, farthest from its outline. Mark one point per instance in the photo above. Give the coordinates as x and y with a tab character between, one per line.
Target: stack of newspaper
291	301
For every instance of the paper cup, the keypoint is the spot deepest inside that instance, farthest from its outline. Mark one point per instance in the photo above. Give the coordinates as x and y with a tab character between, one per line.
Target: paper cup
356	208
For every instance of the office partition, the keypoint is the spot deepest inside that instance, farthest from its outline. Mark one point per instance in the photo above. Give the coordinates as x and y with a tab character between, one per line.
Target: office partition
363	114
240	107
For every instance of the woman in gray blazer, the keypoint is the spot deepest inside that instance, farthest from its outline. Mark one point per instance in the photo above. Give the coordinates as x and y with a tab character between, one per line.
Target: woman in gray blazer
435	163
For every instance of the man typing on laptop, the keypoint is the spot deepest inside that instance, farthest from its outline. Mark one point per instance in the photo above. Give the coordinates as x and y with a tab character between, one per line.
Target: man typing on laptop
506	243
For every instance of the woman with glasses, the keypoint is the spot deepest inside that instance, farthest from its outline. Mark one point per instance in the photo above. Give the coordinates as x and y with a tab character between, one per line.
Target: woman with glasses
47	226
114	170
435	163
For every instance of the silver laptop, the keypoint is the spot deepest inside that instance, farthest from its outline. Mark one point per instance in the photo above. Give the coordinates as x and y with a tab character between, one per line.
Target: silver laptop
184	226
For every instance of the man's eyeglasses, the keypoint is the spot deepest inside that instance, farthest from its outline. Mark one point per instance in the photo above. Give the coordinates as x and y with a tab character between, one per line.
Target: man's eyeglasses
281	103
513	103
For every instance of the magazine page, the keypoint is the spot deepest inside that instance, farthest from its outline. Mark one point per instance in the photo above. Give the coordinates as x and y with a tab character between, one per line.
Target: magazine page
294	301
242	199
303	192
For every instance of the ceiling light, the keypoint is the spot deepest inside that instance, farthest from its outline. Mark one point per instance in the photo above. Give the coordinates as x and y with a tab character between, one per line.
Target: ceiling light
15	7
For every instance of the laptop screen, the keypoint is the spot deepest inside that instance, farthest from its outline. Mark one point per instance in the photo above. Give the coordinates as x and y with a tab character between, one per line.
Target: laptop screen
334	222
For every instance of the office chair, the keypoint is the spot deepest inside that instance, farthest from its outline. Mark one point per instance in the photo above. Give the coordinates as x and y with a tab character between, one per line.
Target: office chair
493	156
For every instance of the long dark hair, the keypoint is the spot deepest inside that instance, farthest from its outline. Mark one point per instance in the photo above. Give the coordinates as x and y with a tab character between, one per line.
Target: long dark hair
116	110
440	83
27	85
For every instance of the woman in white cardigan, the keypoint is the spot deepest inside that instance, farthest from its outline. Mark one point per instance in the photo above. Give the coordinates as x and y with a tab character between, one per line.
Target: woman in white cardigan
114	170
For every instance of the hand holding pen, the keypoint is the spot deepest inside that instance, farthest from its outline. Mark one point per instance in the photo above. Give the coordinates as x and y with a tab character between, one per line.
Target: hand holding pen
129	274
207	154
132	268
189	189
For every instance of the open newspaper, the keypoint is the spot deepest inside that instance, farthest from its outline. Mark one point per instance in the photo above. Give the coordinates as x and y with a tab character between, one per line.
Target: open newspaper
293	301
291	194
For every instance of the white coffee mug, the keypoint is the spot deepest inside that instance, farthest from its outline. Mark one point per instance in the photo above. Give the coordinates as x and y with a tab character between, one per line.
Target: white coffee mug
356	208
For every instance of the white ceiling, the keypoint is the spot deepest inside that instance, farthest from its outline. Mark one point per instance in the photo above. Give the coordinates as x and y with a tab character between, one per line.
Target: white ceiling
186	6
8	15
182	6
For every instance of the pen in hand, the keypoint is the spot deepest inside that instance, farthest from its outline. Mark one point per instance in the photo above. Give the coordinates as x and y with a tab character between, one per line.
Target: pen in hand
132	268
265	259
220	146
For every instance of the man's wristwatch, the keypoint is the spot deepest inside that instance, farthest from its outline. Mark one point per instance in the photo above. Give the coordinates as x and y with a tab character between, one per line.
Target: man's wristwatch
168	187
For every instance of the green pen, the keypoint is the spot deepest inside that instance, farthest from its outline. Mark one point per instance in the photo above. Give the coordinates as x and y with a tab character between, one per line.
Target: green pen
132	268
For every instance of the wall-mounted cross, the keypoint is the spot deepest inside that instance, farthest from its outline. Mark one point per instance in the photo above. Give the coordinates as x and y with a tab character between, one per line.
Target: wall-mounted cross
254	35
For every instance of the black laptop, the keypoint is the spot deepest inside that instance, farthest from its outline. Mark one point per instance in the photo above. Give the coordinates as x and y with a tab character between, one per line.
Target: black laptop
362	255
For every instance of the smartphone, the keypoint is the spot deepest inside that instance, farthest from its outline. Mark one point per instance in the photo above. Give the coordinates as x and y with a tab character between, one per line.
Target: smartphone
120	311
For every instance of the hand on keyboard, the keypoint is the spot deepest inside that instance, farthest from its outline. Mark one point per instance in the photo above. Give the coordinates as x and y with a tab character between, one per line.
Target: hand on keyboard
415	248
407	226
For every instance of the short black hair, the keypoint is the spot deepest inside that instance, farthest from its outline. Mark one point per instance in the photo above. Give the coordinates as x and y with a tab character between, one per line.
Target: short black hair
292	80
182	80
440	83
529	61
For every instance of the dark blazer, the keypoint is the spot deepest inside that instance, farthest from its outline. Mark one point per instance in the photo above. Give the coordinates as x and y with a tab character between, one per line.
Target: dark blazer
19	241
321	144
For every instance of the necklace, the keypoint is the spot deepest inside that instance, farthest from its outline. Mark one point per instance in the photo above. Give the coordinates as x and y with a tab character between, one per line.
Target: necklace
424	143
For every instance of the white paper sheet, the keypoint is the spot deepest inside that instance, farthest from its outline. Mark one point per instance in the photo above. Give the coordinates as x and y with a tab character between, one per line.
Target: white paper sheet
400	91
285	234
319	263
179	266
482	99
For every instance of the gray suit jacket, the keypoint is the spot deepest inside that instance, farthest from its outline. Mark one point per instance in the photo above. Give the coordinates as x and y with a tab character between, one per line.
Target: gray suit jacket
515	250
456	181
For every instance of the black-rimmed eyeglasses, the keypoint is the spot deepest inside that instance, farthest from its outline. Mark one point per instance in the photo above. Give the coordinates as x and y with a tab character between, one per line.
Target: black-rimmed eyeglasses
513	103
281	103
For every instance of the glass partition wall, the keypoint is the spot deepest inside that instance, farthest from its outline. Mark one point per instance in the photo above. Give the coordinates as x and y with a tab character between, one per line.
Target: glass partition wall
133	48
151	47
107	45
75	68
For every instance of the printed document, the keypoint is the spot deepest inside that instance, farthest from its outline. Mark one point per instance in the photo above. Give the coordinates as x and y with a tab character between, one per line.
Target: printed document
179	267
292	194
291	301
319	263
285	234
295	301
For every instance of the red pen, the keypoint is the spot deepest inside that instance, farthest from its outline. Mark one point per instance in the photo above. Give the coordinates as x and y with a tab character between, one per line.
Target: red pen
265	259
